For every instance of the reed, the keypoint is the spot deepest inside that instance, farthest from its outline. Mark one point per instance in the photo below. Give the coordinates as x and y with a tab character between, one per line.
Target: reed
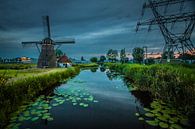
171	83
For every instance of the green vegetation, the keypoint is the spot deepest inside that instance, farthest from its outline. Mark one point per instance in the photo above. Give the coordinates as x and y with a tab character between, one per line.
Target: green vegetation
87	65
16	91
94	59
112	55
170	83
41	107
138	55
17	66
164	116
172	87
102	59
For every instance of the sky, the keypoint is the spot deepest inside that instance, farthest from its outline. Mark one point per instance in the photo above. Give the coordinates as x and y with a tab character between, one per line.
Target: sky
96	25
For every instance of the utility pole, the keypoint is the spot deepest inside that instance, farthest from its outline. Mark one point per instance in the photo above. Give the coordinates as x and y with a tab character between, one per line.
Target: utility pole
174	41
146	51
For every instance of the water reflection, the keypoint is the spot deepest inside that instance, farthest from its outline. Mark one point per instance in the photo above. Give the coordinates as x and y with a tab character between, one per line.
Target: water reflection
94	69
154	112
98	99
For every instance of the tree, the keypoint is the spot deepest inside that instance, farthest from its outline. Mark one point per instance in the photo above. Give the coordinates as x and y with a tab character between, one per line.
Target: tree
102	58
123	55
150	61
187	56
112	54
165	55
82	58
94	59
58	53
138	55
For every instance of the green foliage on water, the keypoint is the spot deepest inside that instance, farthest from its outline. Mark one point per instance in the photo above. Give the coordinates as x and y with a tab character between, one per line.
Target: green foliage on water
40	108
78	96
164	116
19	91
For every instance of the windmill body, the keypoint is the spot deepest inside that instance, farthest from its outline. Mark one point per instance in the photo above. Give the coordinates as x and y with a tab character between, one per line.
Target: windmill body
47	57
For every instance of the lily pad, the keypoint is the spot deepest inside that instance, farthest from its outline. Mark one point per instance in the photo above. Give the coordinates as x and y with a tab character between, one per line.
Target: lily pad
21	118
163	125
74	104
50	119
137	114
141	118
149	115
176	126
45	117
162	118
55	104
152	122
184	122
146	109
35	118
95	101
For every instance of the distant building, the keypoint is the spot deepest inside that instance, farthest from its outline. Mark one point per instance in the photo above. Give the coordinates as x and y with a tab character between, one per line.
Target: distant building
154	55
23	59
64	62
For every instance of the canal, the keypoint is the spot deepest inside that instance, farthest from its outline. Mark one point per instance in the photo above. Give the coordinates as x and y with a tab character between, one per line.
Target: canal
95	99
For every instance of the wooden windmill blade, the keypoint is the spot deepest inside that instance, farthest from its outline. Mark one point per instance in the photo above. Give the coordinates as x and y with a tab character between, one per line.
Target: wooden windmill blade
46	25
67	41
30	43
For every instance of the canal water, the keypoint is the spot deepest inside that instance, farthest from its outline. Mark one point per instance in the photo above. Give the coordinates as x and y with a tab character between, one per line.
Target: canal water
91	100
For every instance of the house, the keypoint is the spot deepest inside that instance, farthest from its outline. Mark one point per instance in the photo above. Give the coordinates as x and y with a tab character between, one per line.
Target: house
64	62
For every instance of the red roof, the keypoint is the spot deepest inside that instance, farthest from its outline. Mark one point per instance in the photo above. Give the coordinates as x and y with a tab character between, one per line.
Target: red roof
64	59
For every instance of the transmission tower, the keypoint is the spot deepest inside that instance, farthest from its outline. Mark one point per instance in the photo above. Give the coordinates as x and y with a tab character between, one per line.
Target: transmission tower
174	42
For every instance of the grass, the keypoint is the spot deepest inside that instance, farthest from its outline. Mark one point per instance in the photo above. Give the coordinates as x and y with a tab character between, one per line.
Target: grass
171	83
17	66
26	86
87	65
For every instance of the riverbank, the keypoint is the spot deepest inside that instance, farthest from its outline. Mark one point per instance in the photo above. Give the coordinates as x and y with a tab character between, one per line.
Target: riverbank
17	66
170	83
85	66
17	89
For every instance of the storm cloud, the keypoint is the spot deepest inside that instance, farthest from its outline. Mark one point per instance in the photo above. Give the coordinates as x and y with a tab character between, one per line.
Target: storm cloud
97	25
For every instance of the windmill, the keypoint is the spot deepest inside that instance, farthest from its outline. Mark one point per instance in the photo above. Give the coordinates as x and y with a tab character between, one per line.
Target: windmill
47	57
174	41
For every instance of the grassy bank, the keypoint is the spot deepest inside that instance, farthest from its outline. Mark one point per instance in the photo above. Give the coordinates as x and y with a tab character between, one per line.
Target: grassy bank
17	66
87	65
16	91
171	83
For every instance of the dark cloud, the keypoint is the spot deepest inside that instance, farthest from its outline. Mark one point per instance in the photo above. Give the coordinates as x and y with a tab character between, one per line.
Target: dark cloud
97	25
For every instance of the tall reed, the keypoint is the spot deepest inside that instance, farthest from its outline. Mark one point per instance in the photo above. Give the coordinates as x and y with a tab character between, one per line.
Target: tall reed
171	83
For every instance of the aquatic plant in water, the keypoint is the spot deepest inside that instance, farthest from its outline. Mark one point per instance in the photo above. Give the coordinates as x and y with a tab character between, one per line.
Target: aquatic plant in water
40	109
76	95
32	112
161	115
